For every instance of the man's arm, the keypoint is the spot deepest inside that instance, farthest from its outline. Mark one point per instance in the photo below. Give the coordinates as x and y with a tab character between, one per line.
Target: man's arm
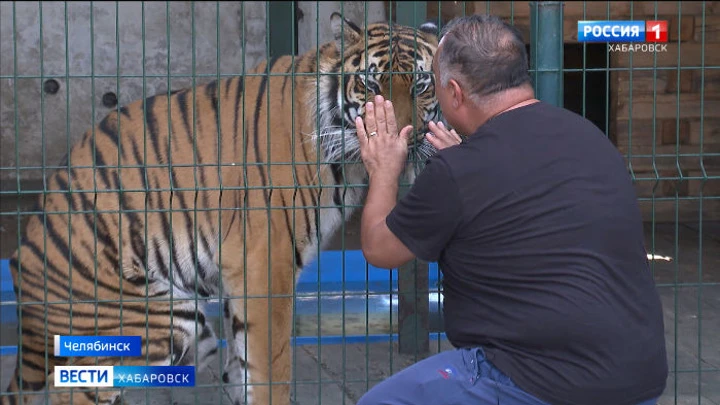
420	225
379	245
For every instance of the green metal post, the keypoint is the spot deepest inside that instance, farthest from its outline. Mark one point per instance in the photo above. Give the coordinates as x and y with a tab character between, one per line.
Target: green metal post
283	30
411	13
546	50
413	280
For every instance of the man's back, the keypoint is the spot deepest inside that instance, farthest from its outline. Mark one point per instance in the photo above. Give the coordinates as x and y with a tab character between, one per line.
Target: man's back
546	267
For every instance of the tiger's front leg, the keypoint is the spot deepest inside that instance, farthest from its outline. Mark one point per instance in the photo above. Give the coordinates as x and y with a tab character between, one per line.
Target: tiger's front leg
235	374
259	324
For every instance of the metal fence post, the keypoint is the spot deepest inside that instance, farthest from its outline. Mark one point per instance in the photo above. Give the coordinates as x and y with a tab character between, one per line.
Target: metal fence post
283	30
413	280
546	50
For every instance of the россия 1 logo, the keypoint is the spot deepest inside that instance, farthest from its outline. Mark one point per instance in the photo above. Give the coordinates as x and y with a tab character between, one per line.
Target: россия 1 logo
635	35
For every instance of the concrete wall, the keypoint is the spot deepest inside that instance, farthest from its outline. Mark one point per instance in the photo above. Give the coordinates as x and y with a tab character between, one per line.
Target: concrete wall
314	19
36	127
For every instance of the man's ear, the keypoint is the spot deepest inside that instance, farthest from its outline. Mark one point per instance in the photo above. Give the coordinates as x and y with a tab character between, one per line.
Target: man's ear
457	93
345	32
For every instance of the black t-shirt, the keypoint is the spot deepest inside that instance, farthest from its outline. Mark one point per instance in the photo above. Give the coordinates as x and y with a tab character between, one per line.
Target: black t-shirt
535	225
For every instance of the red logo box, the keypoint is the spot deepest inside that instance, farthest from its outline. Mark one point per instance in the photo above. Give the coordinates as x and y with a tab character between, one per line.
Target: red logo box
656	31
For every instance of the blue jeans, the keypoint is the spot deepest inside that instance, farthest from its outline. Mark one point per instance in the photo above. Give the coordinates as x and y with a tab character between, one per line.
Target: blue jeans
454	377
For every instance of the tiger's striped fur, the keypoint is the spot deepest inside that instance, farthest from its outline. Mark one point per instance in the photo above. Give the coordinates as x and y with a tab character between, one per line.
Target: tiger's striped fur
106	254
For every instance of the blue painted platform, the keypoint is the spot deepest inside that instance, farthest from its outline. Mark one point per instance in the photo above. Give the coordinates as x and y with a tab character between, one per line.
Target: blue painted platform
8	313
336	281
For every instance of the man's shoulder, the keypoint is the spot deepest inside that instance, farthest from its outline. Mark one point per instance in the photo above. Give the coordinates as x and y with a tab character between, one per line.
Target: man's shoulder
467	165
540	120
540	111
440	164
453	160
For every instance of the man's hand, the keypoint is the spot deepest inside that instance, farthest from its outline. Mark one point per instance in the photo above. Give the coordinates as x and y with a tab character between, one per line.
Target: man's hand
383	150
440	137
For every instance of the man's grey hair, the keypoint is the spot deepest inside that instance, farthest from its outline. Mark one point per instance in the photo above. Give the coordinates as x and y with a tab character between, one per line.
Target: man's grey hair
484	55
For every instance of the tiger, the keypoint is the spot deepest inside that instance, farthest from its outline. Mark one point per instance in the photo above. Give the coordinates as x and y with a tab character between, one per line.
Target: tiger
225	189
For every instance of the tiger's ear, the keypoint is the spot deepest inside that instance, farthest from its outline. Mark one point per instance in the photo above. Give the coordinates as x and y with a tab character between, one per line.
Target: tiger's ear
430	27
345	32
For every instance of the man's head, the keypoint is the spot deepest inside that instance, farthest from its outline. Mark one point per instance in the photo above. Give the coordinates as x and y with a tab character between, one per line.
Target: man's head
481	60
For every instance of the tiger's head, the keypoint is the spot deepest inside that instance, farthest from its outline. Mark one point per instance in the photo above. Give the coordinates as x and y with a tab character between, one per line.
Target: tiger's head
391	60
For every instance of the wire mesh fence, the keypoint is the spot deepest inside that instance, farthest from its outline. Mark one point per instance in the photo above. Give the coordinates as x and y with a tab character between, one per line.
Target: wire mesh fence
253	179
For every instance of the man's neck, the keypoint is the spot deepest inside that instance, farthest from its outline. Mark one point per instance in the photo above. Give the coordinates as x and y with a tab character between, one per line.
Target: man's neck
510	100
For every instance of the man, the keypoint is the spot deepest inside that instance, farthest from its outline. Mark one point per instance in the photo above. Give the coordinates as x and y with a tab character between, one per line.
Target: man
548	298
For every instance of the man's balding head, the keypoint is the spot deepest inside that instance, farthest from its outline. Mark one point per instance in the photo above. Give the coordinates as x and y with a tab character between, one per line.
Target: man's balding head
483	54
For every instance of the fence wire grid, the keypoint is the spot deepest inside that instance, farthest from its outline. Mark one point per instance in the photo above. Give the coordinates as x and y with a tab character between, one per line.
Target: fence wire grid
66	66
